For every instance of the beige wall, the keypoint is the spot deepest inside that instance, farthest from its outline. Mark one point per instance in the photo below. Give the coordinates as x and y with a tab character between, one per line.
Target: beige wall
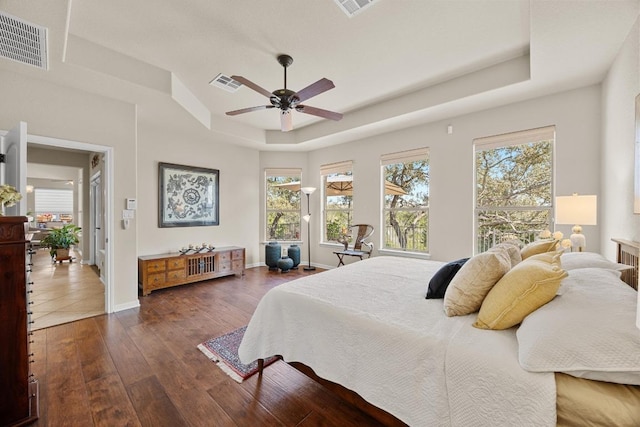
619	90
583	118
59	112
239	190
576	115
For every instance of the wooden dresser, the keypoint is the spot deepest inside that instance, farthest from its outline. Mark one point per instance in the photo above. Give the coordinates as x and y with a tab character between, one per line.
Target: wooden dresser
166	270
18	386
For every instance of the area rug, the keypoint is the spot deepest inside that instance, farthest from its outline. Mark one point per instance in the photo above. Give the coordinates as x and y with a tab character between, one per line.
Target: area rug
223	351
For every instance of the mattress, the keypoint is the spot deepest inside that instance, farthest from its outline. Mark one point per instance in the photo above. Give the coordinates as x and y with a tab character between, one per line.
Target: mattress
368	327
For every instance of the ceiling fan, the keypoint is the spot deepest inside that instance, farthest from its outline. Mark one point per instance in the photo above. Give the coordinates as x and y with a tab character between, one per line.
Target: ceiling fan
287	100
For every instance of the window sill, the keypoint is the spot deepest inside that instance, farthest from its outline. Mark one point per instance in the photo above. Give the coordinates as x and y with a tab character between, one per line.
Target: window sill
405	254
331	245
283	242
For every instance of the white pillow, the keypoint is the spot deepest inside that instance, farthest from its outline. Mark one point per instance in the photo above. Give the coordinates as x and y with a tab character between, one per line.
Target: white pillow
573	260
588	332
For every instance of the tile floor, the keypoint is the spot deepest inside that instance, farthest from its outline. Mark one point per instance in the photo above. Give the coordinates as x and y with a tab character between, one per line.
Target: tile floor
63	292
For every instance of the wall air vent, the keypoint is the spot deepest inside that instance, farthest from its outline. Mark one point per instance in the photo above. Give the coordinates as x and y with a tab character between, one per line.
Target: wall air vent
225	82
23	42
353	7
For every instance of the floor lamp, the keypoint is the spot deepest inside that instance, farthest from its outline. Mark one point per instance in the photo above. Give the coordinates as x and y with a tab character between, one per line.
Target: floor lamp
308	191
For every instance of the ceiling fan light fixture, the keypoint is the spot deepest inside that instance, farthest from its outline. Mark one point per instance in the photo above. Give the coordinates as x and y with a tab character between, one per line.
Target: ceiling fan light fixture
286	99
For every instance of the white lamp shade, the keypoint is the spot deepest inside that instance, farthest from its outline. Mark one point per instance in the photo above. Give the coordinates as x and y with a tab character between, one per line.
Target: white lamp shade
582	210
308	190
306	218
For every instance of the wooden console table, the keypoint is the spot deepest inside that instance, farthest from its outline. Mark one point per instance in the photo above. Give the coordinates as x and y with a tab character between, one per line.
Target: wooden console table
166	270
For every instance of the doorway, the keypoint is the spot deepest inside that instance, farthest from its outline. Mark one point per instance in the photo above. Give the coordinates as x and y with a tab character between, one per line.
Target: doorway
81	291
13	172
69	289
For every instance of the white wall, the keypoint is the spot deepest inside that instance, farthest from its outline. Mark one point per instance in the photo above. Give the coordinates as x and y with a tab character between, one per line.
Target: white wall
583	119
619	90
576	115
59	112
240	191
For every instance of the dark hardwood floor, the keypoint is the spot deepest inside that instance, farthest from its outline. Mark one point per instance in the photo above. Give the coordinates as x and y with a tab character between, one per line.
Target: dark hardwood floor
141	367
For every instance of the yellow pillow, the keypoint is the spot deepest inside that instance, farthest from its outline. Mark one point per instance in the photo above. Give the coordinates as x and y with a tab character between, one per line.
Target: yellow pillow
548	257
538	247
512	249
474	280
525	288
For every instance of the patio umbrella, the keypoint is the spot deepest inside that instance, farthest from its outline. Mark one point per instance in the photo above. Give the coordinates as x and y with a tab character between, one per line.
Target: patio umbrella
342	185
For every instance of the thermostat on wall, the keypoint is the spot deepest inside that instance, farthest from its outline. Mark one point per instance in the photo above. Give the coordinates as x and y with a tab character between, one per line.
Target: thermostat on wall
131	203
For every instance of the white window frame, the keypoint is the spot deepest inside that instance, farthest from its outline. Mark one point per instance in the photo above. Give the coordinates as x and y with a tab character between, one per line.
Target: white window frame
295	186
507	140
408	156
327	171
59	202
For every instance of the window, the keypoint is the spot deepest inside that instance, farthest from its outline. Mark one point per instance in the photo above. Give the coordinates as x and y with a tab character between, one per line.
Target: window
53	205
283	204
405	190
514	177
337	193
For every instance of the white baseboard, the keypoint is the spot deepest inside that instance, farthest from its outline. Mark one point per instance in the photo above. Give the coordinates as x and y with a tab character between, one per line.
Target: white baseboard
126	306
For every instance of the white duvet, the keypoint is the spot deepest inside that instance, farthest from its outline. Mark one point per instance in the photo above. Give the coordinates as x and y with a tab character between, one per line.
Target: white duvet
368	327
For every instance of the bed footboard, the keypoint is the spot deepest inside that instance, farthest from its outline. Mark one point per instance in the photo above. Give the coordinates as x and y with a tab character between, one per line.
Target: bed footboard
380	415
628	253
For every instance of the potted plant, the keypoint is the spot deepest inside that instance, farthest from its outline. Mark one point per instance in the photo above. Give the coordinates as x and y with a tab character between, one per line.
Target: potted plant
9	196
59	240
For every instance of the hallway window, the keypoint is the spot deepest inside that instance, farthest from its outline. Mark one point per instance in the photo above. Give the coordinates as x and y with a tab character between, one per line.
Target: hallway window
53	205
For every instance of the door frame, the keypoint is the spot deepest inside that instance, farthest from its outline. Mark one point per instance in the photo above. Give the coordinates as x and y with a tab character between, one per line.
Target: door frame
107	183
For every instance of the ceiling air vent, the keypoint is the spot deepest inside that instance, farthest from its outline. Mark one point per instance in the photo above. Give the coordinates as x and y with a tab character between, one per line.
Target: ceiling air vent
353	7
225	82
23	42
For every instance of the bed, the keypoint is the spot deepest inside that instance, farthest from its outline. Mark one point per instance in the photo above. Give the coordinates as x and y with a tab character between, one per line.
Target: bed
368	328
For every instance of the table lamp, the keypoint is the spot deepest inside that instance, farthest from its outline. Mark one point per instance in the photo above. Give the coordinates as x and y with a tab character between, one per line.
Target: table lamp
577	210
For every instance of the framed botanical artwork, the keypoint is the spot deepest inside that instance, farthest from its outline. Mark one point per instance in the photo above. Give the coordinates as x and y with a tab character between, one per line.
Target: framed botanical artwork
188	196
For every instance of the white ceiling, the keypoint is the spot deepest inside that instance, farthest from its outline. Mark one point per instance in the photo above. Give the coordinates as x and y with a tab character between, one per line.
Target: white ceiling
396	64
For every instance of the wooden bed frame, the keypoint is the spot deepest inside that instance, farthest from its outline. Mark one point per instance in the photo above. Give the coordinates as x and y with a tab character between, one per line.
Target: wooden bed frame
349	396
628	253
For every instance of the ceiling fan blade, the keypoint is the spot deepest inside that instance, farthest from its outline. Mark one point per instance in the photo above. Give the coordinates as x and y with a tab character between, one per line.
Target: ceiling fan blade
248	110
248	83
319	112
286	124
314	89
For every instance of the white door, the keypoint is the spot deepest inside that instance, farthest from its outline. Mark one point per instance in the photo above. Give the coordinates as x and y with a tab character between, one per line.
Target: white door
14	169
96	219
